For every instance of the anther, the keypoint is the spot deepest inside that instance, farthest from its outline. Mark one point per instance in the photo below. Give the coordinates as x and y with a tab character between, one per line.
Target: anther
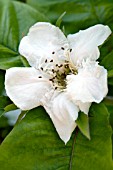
46	61
42	68
55	88
56	65
53	52
40	77
60	66
53	70
62	48
50	79
51	61
70	50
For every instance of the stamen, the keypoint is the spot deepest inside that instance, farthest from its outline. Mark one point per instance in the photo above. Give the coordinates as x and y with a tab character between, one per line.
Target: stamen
53	70
51	80
58	71
70	50
60	65
51	61
62	48
42	68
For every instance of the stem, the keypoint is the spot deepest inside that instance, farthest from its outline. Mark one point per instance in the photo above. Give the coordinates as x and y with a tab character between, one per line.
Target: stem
72	152
24	61
20	117
108	100
59	20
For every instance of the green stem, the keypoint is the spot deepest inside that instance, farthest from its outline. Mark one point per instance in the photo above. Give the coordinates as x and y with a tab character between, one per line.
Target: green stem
73	145
108	100
59	20
24	61
22	114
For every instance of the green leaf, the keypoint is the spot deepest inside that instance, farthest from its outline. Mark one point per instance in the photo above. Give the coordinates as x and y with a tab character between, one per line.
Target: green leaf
1	112
10	107
110	109
110	81
15	20
20	117
2	77
108	100
4	101
79	14
107	61
34	144
107	47
24	61
83	124
9	58
110	73
59	20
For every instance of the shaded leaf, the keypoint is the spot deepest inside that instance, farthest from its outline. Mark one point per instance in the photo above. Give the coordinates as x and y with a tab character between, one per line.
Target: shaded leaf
4	101
79	14
1	112
110	73
107	61
15	20
34	144
59	20
110	81
9	58
83	124
10	107
2	77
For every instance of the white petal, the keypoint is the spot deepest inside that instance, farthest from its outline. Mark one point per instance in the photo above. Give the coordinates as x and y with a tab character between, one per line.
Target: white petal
85	43
84	107
63	113
42	41
89	85
29	52
25	88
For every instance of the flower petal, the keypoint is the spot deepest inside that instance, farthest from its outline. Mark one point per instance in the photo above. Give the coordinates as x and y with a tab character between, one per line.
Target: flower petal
89	85
63	113
25	87
44	41
84	107
85	43
29	52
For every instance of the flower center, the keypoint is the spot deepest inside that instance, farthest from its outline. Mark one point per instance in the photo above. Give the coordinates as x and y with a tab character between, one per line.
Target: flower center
59	74
57	69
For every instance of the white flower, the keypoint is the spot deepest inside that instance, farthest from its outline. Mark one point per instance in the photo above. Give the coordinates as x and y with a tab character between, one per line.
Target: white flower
64	76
